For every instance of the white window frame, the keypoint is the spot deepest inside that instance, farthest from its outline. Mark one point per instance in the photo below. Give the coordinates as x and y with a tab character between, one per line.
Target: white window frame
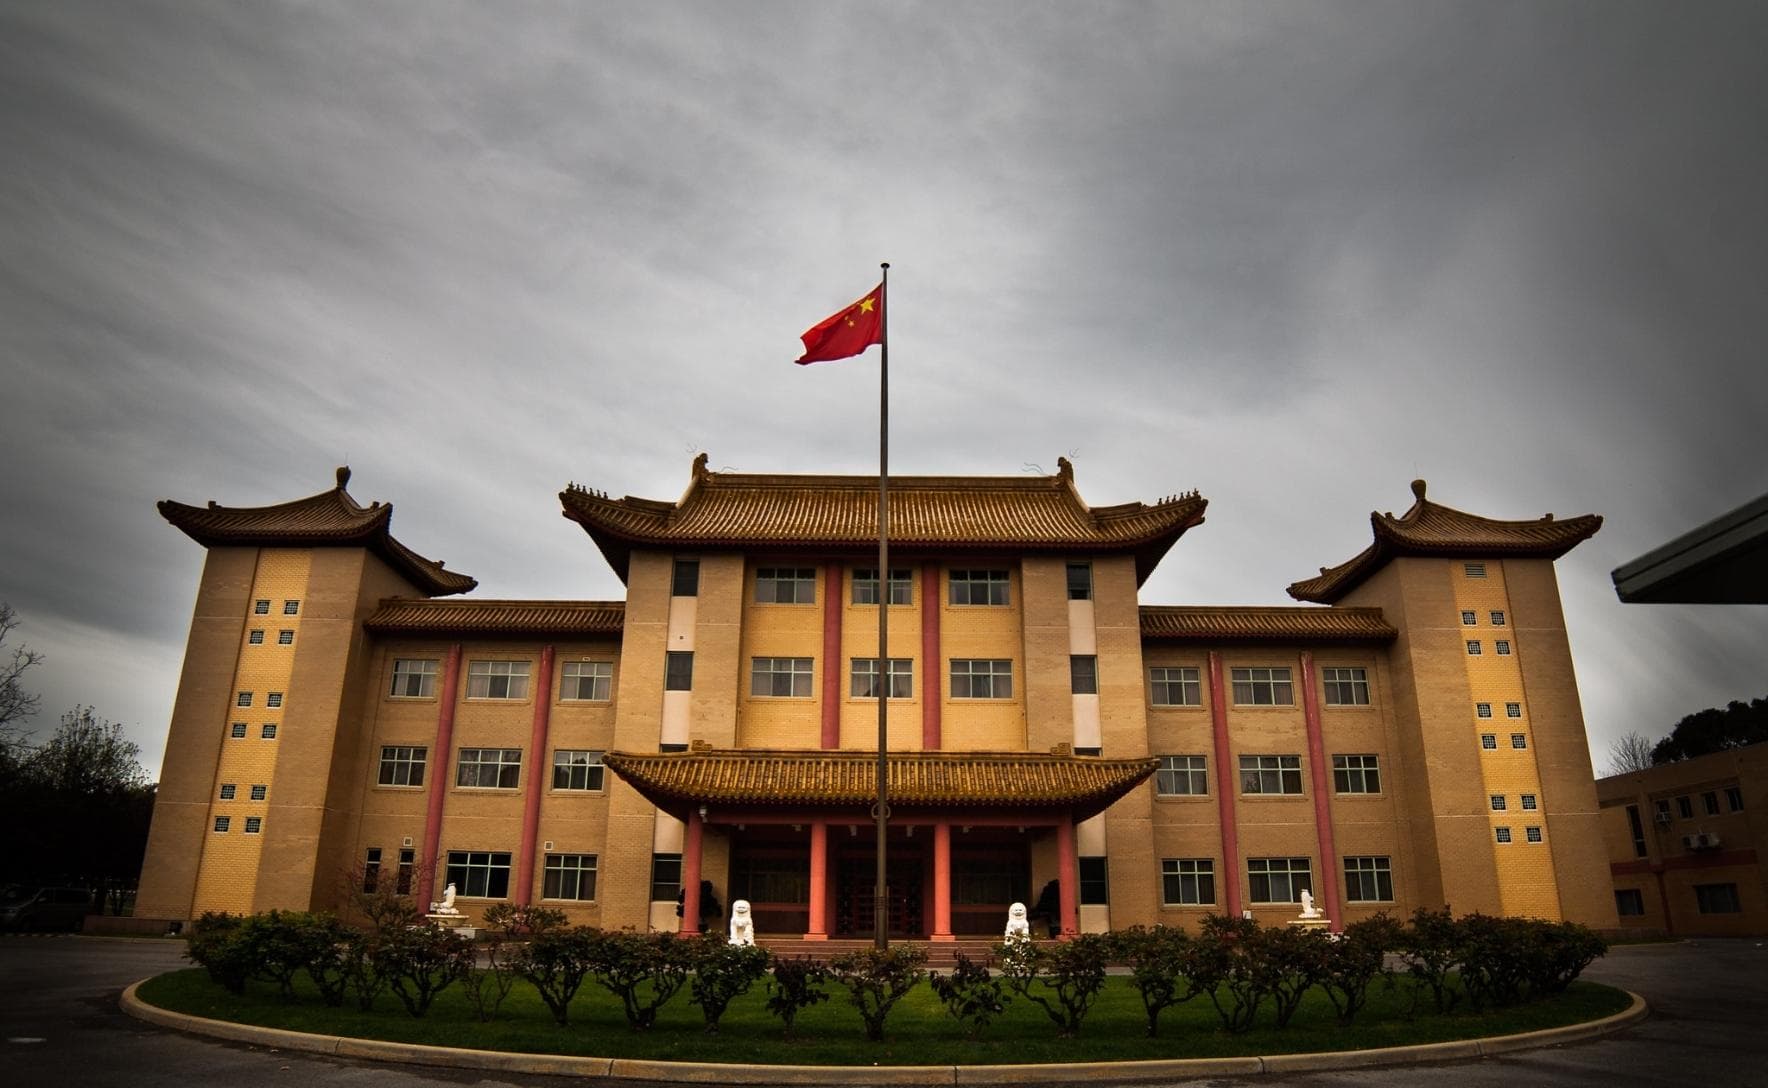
291	608
1190	875
228	791
565	877
497	680
1502	834
1294	873
781	678
267	731
1501	647
1083	674
254	825
1339	680
785	585
862	678
260	792
1270	681
1532	833
1361	770
1259	771
580	769
575	676
995	674
979	587
1178	774
1368	873
1488	741
473	873
498	764
1187	679
865	586
402	765
410	672
255	637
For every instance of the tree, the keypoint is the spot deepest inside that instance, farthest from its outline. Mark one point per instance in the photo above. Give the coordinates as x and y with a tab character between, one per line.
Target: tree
16	704
88	755
1714	730
1628	753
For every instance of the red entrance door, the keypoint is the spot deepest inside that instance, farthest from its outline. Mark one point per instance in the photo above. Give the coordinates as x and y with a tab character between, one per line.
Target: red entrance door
855	877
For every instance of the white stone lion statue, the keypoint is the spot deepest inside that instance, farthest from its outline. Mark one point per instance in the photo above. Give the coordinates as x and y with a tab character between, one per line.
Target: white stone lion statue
742	923
446	905
1018	929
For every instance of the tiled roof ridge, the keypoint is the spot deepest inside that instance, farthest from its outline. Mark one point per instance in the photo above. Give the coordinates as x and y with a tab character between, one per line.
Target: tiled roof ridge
1262	622
405	615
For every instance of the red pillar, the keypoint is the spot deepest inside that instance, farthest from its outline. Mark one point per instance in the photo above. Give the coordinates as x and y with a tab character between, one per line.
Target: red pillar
441	760
833	673
524	890
942	881
1068	881
690	875
1226	782
1328	881
819	882
932	690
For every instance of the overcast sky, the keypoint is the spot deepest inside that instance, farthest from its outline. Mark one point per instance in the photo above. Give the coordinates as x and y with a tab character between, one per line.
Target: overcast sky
1291	255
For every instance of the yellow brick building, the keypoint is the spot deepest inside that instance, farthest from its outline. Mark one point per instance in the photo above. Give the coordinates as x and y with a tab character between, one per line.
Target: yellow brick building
1410	736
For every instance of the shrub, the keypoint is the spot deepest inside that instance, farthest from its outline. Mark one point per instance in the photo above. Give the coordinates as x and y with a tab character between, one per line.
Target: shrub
1156	959
499	944
1072	972
1355	960
421	962
327	943
363	966
794	986
723	972
1562	951
1494	956
214	943
556	962
1228	963
1430	946
971	994
876	980
643	969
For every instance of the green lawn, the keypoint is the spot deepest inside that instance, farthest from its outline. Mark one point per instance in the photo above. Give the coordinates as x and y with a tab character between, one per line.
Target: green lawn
919	1031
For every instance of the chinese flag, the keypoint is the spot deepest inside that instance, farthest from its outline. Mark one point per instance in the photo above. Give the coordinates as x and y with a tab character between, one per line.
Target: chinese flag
849	332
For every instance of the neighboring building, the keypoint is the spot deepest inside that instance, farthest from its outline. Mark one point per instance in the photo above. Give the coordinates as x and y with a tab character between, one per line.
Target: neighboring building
1686	842
1412	737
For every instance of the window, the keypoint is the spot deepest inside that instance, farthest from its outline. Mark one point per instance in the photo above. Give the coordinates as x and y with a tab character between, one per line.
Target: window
865	586
1080	581
1356	774
665	877
1629	903
1089	750
1169	686
1513	710
1685	807
273	700
256	638
1187	882
1533	834
285	637
1473	649
1503	834
1270	774
863	680
268	732
1708	898
577	770
1519	740
982	678
1182	776
243	699
781	677
261	608
1278	880
1263	687
684	580
1502	646
291	608
671	746
254	824
1497	619
482	874
1368	880
1095	886
237	729
1346	687
497	680
407	866
586	681
1468	619
413	679
371	870
1083	674
1634	824
978	587
1528	802
678	671
489	768
785	585
1710	801
260	792
1488	740
1474	570
222	823
1663	811
228	790
569	876
1734	798
402	765
1498	804
1482	710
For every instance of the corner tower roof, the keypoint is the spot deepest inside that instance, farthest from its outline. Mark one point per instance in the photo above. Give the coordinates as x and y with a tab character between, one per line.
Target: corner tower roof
330	519
1430	529
944	513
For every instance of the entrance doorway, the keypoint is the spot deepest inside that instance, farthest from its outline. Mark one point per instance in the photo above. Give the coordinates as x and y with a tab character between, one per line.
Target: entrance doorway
856	876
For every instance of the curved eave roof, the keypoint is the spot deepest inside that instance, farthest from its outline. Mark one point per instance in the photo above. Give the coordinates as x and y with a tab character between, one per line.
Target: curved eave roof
1261	624
493	619
330	519
778	778
733	511
1433	530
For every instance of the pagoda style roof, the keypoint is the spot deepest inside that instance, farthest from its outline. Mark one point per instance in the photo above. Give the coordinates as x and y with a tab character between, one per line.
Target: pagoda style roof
330	519
1434	530
777	778
727	510
1231	623
483	618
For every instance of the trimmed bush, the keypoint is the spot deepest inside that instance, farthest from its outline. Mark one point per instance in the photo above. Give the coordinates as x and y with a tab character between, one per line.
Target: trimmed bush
971	994
877	980
1071	972
644	970
1355	961
723	972
795	985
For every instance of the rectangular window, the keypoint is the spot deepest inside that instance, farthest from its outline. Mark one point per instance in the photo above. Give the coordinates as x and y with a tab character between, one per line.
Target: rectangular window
222	823
1502	646
785	585
244	698
1710	801
586	681
1503	834
1270	774
863	680
1180	686
1734	798
254	824
1663	811
256	638
237	729
1468	619
371	870
1187	882
273	700
1083	674
1488	740
678	671
576	769
1634	824
780	677
1368	880
671	746
1356	774
865	586
291	608
1263	687
402	765
982	678
1089	750
684	581
1482	710
978	587
1513	710
413	679
1533	834
1528	802
407	866
489	768
1346	687
1708	898
1685	807
497	680
1498	804
569	876
1278	880
1094	885
1629	903
1474	570
261	608
1519	740
665	877
285	637
1473	649
1497	619
1182	776
1080	581
260	792
268	732
480	874
228	790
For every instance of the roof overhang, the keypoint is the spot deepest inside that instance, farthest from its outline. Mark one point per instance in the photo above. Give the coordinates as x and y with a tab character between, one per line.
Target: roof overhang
1724	561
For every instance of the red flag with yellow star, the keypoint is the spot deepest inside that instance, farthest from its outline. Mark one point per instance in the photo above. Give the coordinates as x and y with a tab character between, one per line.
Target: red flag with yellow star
847	333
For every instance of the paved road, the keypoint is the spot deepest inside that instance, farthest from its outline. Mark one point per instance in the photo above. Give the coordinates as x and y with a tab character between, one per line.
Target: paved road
60	1027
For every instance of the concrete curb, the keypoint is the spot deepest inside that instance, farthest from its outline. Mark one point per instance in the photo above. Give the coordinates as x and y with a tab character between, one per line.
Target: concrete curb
828	1076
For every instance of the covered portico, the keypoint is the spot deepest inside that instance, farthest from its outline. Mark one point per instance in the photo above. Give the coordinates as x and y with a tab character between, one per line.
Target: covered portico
811	812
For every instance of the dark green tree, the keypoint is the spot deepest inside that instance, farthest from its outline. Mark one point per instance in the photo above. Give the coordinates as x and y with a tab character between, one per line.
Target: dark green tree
1714	730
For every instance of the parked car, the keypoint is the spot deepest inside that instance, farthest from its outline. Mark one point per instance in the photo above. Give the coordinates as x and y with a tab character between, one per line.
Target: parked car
34	908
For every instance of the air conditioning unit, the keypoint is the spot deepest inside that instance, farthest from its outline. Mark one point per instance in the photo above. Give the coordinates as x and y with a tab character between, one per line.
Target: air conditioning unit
1663	817
1702	841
